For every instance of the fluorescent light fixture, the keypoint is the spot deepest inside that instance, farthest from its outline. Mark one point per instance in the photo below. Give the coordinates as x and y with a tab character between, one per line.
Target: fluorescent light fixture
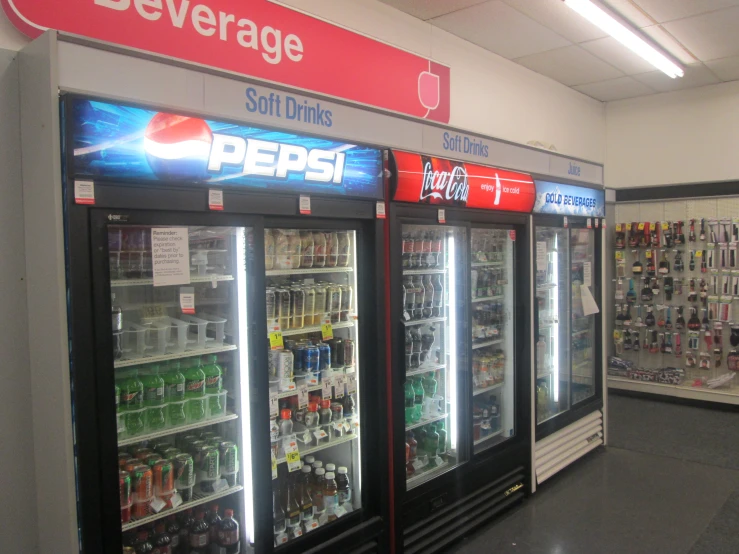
605	21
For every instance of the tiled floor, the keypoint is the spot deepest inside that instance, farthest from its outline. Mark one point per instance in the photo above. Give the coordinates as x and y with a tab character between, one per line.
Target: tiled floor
668	484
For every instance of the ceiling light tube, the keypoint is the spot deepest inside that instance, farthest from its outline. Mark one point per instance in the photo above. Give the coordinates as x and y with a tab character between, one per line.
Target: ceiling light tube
605	21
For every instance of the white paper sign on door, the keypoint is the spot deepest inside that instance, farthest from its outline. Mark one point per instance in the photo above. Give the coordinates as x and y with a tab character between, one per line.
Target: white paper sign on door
170	256
541	255
587	274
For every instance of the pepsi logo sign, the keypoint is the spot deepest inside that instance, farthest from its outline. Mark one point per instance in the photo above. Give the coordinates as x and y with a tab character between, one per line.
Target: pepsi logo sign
185	148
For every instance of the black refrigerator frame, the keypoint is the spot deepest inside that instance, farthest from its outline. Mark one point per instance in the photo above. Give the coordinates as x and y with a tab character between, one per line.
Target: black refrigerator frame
585	407
90	339
442	510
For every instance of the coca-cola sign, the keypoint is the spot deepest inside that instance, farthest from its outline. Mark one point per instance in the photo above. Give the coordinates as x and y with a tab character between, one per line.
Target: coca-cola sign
449	185
428	180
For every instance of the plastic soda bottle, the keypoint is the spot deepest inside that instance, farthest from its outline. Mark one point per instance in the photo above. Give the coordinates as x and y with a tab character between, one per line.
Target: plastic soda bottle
410	396
132	401
195	391
213	385
174	394
153	397
418	400
228	534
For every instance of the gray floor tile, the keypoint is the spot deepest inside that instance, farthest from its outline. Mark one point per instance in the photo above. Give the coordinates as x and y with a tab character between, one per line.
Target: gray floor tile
722	534
613	501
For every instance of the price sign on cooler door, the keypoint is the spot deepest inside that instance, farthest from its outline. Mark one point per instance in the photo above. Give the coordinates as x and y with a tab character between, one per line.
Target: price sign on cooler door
292	456
326	385
302	396
351	384
272	405
276	342
327	330
339	387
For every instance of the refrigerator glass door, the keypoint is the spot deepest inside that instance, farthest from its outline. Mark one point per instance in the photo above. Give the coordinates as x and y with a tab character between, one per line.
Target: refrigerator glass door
313	322
432	273
582	243
493	356
179	312
552	353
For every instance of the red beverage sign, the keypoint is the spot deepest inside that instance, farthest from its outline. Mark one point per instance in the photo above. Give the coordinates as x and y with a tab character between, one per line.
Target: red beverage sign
258	38
426	180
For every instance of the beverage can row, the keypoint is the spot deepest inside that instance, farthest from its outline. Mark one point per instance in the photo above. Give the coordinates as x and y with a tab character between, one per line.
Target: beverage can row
293	249
298	306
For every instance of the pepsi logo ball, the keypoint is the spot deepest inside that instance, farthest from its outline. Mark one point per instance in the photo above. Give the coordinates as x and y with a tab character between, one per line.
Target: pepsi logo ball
178	147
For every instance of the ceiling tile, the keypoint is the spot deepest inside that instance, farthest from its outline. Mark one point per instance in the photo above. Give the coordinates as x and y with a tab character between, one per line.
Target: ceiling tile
615	89
611	51
669	10
710	36
559	18
696	75
726	69
570	65
426	9
669	43
499	28
628	11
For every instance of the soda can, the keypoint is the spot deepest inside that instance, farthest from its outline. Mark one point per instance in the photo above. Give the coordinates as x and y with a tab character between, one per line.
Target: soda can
229	454
142	484
298	307
217	439
195	449
320	307
348	353
271	305
207	435
297	351
334	303
152	459
209	469
272	358
122	458
347	294
310	306
163	477
282	307
170	453
311	359
124	484
183	441
324	356
159	444
285	362
130	464
140	452
184	473
337	353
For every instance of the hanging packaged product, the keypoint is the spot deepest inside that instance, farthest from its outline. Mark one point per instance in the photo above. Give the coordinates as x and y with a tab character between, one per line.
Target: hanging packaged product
620	239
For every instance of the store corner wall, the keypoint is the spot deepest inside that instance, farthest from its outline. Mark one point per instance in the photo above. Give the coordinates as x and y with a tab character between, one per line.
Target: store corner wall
18	515
687	136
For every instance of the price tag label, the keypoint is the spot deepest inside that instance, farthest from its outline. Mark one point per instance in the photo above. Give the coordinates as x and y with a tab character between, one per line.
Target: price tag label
153	311
641	226
339	386
347	426
381	210
597	222
628	226
418	464
215	199
618	227
187	300
339	511
84	192
590	223
312	382
351	384
320	435
512	234
312	525
302	396
220	485
604	223
281	538
565	222
406	316
274	465
272	405
442	216
176	500
276	342
327	330
648	254
295	532
665	226
326	385
157	505
292	456
304	204
699	254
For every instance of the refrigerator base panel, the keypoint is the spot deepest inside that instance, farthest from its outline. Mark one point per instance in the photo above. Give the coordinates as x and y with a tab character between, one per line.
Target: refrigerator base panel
701	394
557	451
455	521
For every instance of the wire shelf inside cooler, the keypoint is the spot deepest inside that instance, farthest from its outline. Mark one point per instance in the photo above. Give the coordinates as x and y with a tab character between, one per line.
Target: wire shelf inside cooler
193	279
179	429
488	264
428	473
483	390
324	446
487	298
307	271
486	343
425	421
425	369
423	321
488	437
198	498
165	357
316	328
423	271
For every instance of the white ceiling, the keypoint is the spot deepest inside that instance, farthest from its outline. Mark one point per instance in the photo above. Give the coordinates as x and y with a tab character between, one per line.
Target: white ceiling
548	37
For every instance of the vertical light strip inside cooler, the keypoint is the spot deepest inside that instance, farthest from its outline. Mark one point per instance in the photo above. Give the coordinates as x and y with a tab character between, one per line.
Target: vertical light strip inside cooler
452	326
241	276
357	357
555	319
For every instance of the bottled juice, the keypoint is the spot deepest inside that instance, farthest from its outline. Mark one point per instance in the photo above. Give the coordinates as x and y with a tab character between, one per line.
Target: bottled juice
292	507
330	495
318	488
343	486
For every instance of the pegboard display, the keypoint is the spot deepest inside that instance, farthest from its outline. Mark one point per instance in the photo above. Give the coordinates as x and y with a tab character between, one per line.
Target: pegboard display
676	301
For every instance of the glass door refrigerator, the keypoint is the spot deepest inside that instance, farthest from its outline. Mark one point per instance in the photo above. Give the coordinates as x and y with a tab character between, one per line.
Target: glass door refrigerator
459	435
234	399
567	324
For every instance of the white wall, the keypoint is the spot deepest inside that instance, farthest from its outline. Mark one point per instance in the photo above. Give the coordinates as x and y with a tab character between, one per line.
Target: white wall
688	136
17	480
490	95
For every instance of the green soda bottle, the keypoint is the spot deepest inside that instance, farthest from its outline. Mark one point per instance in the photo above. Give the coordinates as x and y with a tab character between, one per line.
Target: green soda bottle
213	385
174	394
117	399
410	397
195	390
442	437
429	385
132	401
153	397
432	442
418	400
